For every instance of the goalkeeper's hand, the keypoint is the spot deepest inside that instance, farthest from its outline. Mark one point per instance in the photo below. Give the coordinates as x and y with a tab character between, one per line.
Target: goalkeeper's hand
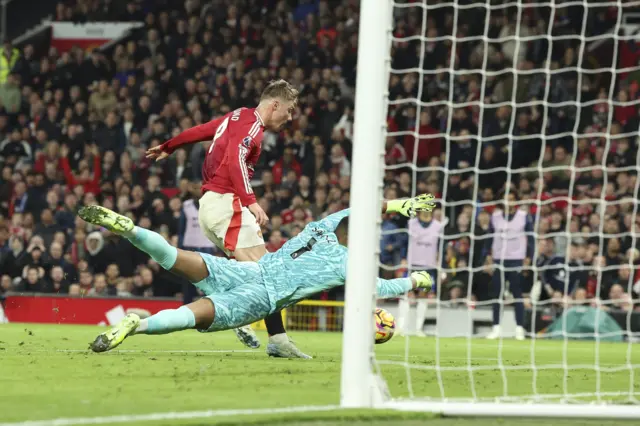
422	280
409	207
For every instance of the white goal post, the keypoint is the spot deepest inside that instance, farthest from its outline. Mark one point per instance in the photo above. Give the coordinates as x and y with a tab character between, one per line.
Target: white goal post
362	379
357	385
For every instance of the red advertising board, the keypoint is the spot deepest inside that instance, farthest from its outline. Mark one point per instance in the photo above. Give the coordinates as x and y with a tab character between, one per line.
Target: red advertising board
78	310
87	36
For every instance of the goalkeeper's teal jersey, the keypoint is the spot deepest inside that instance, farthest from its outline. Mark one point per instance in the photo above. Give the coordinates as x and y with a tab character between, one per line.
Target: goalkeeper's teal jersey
312	262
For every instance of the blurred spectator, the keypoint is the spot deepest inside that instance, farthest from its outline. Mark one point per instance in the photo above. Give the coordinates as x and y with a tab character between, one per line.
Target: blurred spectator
56	282
9	57
32	281
74	127
10	96
100	287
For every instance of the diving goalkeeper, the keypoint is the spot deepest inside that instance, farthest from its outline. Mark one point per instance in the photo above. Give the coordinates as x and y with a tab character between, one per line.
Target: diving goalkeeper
240	293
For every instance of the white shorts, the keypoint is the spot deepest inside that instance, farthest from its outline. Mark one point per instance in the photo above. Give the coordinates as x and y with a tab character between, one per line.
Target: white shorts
227	223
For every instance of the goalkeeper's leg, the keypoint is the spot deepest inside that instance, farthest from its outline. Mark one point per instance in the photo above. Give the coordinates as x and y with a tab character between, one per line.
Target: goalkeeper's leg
188	264
245	302
199	314
215	312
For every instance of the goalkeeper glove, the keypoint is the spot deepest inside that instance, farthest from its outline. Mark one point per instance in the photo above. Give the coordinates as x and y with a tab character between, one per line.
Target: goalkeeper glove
409	207
423	280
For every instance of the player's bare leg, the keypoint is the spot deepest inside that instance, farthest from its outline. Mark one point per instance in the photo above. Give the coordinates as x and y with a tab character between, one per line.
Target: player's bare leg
280	345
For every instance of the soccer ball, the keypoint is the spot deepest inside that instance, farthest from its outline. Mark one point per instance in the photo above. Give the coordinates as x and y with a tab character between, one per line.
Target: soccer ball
385	326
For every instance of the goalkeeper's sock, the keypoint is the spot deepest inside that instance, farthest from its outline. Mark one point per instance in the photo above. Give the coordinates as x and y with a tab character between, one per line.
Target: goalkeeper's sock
421	315
155	246
168	321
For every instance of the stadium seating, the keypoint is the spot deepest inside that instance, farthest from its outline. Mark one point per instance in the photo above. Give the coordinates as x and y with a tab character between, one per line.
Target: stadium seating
83	120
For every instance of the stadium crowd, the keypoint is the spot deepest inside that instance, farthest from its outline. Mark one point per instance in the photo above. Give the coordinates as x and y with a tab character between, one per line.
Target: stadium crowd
75	125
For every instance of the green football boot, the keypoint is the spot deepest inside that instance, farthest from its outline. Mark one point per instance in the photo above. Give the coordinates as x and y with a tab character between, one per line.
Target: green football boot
115	336
106	218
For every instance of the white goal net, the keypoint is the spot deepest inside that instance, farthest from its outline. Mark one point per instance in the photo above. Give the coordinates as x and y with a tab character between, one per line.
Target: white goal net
522	117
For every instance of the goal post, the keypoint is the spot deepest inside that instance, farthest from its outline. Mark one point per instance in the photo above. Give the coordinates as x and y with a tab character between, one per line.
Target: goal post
512	81
357	384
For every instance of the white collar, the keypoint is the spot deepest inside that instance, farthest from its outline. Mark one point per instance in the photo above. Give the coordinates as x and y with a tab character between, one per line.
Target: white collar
259	118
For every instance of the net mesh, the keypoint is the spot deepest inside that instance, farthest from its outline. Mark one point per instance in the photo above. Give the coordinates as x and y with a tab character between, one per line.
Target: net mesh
498	108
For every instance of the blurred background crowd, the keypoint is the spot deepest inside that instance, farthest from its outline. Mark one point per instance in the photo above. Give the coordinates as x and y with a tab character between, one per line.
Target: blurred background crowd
74	127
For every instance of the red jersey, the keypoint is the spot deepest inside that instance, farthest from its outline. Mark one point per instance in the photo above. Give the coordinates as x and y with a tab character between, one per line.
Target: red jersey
235	149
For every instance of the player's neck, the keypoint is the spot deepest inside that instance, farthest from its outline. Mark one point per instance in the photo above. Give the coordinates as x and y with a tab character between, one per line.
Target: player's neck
262	112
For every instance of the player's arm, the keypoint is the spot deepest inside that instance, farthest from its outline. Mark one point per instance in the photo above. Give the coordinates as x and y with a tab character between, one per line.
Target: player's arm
386	288
393	288
331	222
399	286
407	207
195	134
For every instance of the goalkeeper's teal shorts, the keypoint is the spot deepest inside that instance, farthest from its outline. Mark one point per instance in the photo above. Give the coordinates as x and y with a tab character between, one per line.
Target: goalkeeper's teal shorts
237	292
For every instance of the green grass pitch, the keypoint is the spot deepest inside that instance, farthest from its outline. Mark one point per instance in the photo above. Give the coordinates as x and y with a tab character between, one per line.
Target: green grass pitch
46	372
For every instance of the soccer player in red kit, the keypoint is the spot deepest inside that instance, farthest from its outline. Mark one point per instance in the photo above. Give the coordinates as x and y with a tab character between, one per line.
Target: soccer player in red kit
229	214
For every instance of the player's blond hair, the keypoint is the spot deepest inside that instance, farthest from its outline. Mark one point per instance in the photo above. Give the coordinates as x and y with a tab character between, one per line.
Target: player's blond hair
279	89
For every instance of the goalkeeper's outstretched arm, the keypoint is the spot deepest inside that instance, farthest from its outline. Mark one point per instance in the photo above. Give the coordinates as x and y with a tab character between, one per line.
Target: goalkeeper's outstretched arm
385	288
399	286
406	207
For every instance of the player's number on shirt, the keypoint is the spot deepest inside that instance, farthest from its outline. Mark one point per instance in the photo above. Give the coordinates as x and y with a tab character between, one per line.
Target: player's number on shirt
302	250
219	131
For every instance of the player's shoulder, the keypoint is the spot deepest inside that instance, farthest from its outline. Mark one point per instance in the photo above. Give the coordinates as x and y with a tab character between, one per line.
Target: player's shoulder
248	125
320	233
246	116
316	228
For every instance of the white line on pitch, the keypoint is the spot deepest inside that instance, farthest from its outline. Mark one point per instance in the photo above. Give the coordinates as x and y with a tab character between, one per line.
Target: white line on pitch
537	347
125	418
222	351
473	358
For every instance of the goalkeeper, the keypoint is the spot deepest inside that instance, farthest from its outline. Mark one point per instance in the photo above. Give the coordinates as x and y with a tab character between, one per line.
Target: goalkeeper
240	293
